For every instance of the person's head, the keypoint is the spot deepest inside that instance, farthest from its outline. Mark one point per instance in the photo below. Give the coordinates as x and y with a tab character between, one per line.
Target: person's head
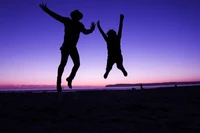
111	33
76	15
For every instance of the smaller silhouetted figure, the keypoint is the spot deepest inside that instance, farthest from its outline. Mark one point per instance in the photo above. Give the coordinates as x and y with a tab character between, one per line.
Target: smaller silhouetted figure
141	87
114	49
73	28
133	89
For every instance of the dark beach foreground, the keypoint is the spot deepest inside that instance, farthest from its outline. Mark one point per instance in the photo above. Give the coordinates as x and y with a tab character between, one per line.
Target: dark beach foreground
164	110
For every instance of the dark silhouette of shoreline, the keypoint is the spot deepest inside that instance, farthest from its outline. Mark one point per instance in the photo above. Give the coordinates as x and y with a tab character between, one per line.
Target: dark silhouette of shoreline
149	84
167	110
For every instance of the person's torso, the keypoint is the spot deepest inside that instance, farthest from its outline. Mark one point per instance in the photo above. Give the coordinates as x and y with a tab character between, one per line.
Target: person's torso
113	46
72	32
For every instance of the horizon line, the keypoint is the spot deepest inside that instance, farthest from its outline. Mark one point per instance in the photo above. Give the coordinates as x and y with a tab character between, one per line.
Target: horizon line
54	85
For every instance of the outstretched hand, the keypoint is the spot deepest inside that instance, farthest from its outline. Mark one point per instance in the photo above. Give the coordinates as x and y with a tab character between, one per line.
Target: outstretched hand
98	23
43	6
121	16
92	26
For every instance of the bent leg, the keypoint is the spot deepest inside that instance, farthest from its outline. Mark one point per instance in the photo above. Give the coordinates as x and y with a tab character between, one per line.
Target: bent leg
109	65
63	62
120	66
76	60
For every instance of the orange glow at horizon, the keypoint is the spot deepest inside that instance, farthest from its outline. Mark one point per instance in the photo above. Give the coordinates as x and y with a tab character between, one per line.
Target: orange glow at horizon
100	84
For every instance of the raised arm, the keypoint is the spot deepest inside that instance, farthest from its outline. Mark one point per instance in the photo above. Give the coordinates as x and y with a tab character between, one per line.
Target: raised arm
88	31
120	25
51	13
101	31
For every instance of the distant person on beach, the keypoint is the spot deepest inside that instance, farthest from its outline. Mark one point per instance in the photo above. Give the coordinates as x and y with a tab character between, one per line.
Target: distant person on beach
73	27
114	49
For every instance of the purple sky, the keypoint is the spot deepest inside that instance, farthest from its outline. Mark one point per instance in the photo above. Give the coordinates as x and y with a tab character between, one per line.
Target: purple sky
160	41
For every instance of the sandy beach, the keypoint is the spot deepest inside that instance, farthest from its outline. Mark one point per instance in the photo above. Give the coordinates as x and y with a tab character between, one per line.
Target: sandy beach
164	110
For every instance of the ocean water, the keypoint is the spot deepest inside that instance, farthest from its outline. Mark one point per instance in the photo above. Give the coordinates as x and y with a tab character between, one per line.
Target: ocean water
40	89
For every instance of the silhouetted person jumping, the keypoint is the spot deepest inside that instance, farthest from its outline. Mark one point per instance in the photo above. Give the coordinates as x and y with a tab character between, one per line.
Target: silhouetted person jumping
114	49
73	27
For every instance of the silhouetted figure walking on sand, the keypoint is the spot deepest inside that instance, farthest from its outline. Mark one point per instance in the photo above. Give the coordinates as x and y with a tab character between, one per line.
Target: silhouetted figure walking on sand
114	49
73	27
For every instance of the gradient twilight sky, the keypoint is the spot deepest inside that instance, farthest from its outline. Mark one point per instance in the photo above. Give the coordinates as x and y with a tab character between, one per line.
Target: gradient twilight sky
160	41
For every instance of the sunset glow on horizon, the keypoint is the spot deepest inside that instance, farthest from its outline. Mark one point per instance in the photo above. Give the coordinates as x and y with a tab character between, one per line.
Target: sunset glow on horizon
160	42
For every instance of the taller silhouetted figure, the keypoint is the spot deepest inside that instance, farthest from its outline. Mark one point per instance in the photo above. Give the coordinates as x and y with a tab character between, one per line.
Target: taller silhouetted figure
114	49
73	27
